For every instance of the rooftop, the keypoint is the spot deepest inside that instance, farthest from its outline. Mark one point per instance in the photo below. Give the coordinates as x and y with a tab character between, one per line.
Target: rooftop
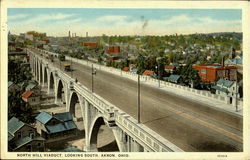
44	117
27	94
14	125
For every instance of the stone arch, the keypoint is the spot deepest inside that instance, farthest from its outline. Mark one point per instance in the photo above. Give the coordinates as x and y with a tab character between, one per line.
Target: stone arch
51	83
73	103
110	145
61	92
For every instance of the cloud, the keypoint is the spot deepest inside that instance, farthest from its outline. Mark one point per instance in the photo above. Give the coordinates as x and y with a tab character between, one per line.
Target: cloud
111	18
18	16
59	25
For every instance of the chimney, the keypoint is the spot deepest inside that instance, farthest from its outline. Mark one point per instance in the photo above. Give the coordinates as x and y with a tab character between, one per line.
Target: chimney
222	61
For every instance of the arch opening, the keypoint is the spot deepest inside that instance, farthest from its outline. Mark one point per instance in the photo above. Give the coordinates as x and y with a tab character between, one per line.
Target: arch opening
51	83
45	76
60	93
41	72
102	137
37	70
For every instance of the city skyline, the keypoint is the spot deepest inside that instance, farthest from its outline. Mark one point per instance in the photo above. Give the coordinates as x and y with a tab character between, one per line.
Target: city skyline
57	22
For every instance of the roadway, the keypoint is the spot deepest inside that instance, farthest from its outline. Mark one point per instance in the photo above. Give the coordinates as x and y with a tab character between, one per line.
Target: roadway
192	126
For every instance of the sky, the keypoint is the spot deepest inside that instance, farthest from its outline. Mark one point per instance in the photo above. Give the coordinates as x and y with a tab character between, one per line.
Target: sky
110	21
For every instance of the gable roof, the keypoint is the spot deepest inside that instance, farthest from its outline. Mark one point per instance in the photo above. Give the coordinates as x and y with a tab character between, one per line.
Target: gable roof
134	70
126	69
60	127
169	67
44	117
65	116
174	78
30	86
14	125
9	83
27	94
224	82
26	140
148	72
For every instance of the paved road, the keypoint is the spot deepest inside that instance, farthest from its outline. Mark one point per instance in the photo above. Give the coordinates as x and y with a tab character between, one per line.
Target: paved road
189	125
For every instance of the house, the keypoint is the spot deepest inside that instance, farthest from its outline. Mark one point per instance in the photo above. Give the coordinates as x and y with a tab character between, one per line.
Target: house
90	44
126	69
174	78
148	73
12	86
32	85
169	68
134	70
227	89
55	127
31	97
213	72
113	50
23	137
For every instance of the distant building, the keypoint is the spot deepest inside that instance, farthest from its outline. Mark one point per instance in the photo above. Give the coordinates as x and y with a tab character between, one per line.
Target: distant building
113	50
174	78
227	89
90	44
126	69
148	73
55	127
23	137
169	68
31	97
213	72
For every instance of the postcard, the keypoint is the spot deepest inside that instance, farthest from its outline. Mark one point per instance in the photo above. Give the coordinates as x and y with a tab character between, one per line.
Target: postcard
124	79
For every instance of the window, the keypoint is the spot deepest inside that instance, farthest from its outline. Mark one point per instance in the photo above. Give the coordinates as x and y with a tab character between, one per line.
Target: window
39	144
203	71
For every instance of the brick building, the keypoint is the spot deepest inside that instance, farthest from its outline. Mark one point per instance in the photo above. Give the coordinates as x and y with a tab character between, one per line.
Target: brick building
113	50
213	72
90	44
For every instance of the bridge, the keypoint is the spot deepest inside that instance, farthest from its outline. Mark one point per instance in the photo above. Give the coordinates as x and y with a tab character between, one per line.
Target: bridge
169	122
129	135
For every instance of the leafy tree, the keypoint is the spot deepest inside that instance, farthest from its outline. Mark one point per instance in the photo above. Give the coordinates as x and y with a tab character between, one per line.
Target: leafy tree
140	63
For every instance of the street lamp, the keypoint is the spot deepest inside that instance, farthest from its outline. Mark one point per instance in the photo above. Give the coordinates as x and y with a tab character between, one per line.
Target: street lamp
93	72
236	91
157	68
138	101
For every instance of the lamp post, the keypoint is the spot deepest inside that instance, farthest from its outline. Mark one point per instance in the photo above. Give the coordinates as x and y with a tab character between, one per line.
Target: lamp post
138	101
236	92
93	72
71	67
157	68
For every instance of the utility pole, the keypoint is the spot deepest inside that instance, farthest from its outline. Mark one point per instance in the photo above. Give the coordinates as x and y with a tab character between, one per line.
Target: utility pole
93	72
157	68
71	67
138	101
236	92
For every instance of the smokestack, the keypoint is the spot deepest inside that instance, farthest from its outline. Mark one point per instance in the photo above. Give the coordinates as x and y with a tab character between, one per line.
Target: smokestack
222	61
86	34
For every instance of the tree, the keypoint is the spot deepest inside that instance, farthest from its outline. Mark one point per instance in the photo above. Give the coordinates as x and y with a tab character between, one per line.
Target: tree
140	63
61	57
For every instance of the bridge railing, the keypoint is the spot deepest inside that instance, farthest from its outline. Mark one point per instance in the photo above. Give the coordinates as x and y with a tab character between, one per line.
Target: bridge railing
138	131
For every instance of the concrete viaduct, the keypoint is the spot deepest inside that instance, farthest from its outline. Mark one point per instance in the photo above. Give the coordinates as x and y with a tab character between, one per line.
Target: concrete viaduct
96	111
